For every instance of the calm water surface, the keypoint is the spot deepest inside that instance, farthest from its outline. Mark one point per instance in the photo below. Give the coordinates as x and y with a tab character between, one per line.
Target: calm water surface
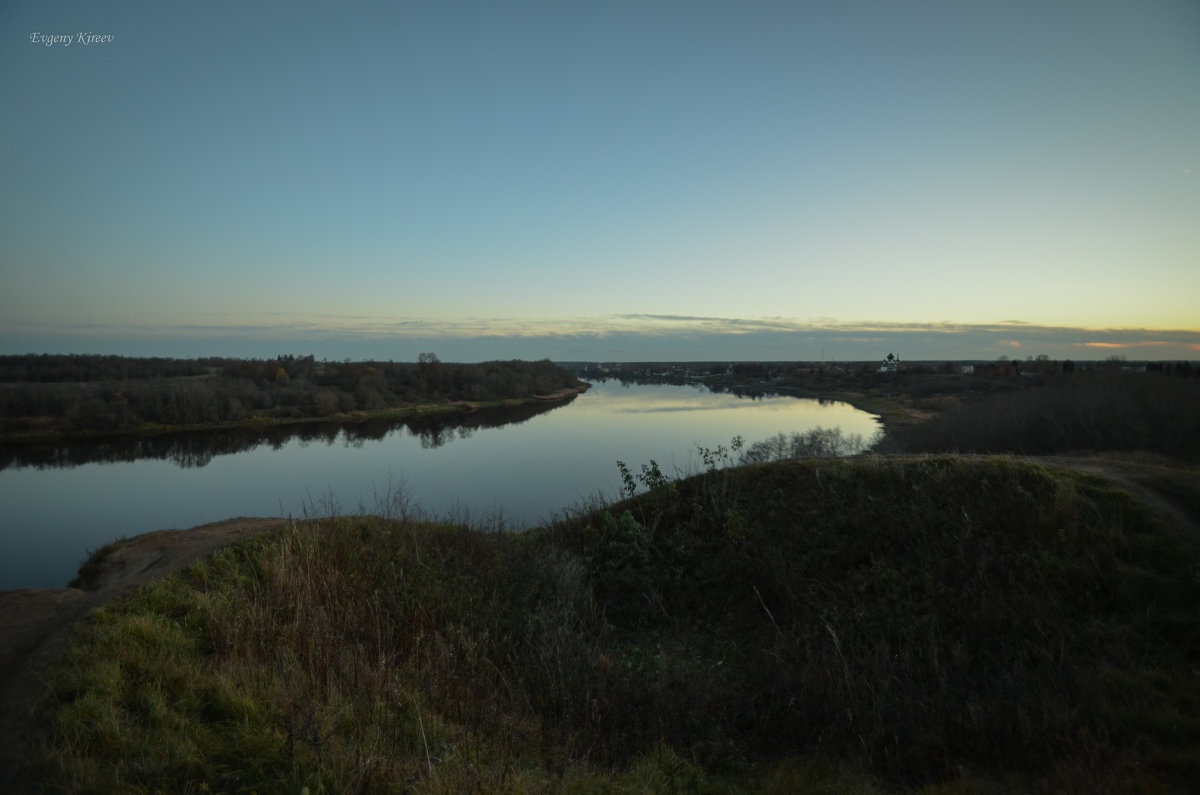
522	466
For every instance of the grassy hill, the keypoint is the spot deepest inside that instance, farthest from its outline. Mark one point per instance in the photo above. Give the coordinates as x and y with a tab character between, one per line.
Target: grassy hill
868	625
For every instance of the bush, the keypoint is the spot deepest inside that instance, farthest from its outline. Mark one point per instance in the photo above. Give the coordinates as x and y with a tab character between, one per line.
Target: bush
816	443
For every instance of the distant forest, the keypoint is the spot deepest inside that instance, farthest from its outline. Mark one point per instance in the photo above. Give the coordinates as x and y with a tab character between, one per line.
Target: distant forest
190	450
83	393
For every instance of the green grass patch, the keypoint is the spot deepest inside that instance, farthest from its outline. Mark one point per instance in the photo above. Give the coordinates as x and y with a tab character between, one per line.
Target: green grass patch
937	625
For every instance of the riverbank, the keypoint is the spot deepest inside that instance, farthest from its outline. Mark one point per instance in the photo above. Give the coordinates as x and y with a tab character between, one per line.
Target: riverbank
38	431
948	624
52	398
36	624
892	411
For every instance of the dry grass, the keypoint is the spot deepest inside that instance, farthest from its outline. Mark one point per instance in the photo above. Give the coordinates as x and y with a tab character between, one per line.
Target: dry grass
944	625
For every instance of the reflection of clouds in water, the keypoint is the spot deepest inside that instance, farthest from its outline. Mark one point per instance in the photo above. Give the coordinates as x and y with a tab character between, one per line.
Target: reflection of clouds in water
715	417
711	402
666	409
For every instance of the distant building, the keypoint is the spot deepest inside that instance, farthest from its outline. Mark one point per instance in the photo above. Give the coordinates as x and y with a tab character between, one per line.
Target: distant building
1039	366
890	365
996	370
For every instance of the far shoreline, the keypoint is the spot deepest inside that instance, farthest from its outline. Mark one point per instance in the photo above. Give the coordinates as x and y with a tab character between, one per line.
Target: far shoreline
20	438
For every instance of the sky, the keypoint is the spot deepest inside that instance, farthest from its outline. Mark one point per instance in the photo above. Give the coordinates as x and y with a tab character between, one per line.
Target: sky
618	180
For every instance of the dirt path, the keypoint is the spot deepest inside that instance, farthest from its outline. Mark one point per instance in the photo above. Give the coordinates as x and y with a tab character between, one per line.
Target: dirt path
1137	477
35	623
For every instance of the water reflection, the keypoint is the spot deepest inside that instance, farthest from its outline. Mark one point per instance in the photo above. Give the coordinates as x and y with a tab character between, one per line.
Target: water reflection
198	449
525	464
639	399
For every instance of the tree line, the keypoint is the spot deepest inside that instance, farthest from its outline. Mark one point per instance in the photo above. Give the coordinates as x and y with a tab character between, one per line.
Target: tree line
76	368
70	394
193	450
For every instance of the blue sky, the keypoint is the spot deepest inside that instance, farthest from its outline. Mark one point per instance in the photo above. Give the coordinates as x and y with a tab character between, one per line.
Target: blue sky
607	180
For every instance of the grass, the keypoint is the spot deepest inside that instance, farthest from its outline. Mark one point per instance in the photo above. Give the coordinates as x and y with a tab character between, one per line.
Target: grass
934	625
1181	486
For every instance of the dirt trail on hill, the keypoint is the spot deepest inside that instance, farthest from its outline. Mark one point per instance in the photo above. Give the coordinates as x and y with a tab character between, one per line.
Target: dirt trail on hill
35	623
1130	475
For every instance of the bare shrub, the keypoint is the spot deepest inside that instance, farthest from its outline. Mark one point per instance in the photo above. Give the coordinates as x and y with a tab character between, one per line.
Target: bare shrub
816	443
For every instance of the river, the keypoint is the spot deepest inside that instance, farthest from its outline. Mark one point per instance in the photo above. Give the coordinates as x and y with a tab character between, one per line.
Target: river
513	468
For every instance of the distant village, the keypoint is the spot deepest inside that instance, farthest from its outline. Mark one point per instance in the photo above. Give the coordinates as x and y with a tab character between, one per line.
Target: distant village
889	365
889	386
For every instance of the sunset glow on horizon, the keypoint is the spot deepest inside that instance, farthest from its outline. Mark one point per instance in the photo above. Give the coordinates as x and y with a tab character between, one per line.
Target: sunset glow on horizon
607	181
